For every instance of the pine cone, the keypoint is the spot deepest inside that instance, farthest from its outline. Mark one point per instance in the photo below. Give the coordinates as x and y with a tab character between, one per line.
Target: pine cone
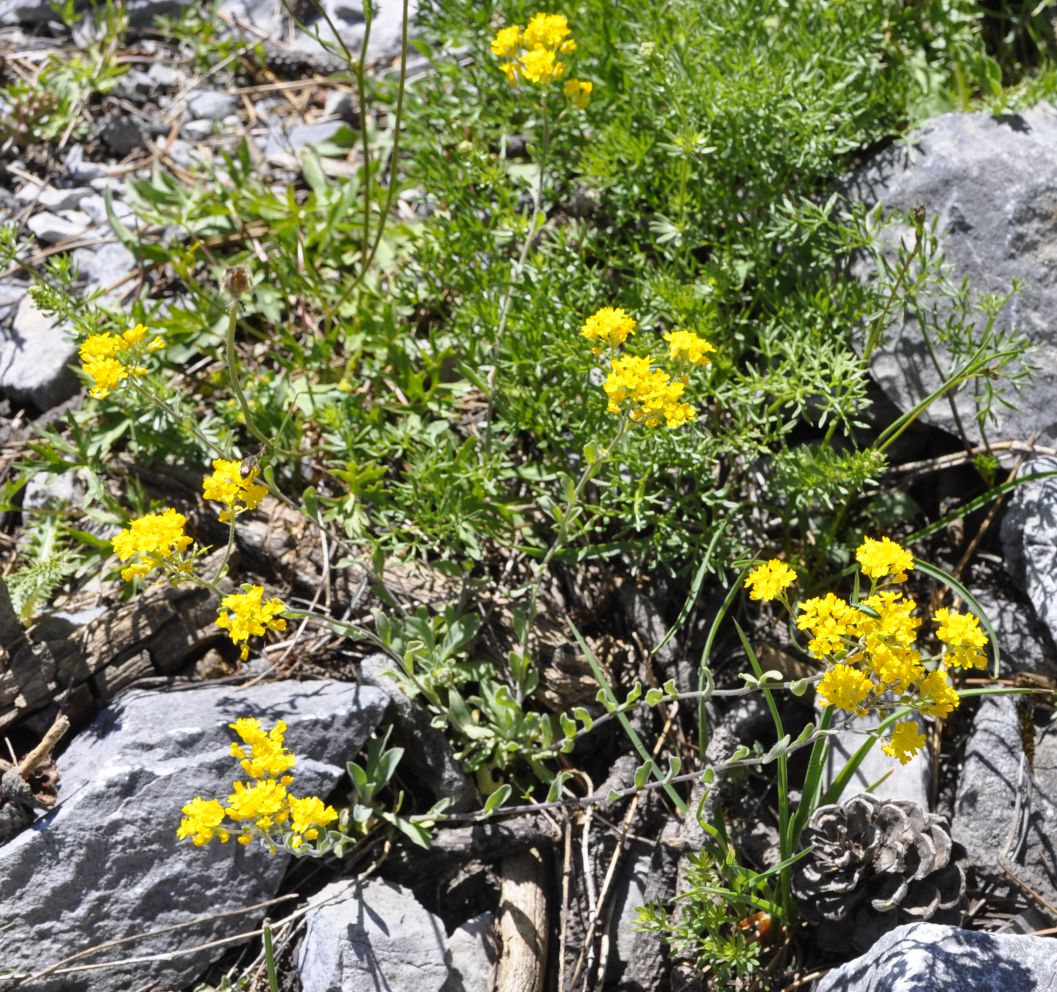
874	866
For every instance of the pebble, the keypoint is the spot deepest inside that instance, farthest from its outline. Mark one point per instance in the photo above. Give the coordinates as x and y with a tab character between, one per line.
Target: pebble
211	105
53	228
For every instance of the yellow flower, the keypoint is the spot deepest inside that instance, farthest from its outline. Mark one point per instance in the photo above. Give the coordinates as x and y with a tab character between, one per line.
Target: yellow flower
610	326
154	539
106	374
895	666
245	615
688	346
829	619
506	41
905	742
541	66
264	803
578	92
770	580
878	559
99	346
134	335
548	31
266	757
938	695
646	394
201	822
308	815
959	630
229	486
845	687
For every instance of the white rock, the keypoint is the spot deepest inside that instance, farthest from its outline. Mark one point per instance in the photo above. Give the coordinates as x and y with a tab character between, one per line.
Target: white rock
35	354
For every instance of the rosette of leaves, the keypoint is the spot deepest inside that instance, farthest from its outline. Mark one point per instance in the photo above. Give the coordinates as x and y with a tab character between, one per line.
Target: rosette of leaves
876	864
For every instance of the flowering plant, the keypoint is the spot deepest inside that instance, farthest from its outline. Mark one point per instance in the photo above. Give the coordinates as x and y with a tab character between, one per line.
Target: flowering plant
869	643
262	808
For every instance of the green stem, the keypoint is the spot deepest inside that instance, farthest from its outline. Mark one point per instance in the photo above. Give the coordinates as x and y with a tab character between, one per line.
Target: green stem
233	376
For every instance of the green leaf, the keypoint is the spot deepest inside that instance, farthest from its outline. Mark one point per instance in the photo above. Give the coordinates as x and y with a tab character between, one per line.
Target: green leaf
642	774
495	800
654	696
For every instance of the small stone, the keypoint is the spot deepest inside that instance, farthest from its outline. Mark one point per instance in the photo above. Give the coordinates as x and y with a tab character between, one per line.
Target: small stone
81	171
35	354
197	130
280	142
50	198
166	77
104	265
134	85
361	938
53	228
927	957
472	953
123	135
211	105
94	206
343	106
882	776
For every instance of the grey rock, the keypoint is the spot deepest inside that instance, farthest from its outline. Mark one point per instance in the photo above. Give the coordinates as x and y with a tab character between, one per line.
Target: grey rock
94	206
262	14
211	105
1004	811
53	228
167	77
371	936
123	135
106	862
103	265
50	198
280	142
887	777
386	25
198	130
343	106
35	353
134	85
997	220
629	895
1025	643
81	171
926	957
472	954
1029	539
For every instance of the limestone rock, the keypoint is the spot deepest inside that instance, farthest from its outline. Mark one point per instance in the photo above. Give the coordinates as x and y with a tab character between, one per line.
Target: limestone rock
361	938
35	354
1000	831
997	221
105	863
1029	539
926	957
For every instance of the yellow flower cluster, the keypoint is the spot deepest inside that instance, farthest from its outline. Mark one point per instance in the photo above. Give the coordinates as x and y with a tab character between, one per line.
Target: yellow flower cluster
533	54
109	359
635	388
870	645
686	346
770	580
610	327
247	614
153	540
646	394
229	486
264	808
